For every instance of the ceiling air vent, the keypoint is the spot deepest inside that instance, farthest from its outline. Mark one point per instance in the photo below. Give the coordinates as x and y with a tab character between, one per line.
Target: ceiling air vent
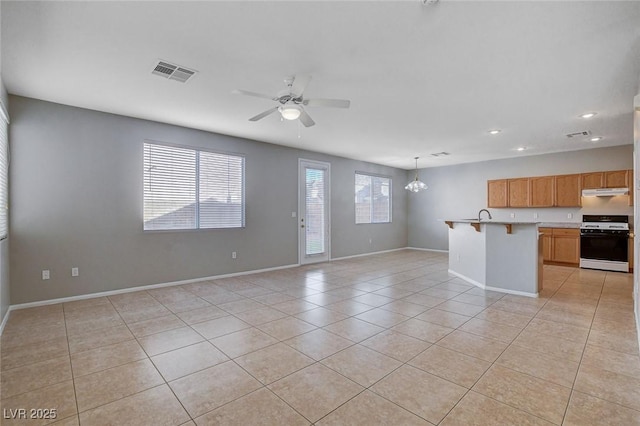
441	154
579	134
173	72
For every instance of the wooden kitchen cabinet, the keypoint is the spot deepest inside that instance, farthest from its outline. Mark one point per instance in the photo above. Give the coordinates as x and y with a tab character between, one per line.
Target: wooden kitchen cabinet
547	240
566	246
541	191
518	192
616	179
561	245
497	193
593	180
568	191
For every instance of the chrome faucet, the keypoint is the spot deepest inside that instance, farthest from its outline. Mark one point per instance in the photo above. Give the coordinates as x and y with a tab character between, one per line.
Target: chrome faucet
484	210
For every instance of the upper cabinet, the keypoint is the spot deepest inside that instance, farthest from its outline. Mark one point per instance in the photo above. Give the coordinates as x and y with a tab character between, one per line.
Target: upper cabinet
518	192
592	180
554	191
568	191
497	193
542	191
616	179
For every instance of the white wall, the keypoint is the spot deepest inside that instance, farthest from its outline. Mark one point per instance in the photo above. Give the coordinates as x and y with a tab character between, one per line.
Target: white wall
460	191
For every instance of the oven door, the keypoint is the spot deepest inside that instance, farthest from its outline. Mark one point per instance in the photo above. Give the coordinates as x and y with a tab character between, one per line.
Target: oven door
604	246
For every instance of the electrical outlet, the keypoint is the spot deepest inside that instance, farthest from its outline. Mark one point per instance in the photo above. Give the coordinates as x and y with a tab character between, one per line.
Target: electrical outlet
75	272
234	255
513	215
569	215
46	274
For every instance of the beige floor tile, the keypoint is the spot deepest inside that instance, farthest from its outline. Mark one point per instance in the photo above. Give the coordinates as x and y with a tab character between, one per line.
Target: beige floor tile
424	300
460	308
471	299
273	298
616	362
473	345
261	407
242	305
59	397
503	317
354	329
293	307
91	340
539	364
221	297
104	357
423	394
19	335
260	316
286	328
382	317
156	406
69	421
619	340
524	392
458	368
209	389
220	326
110	385
559	348
31	353
518	306
361	364
82	326
394	292
243	342
558	329
440	293
315	391
429	332
202	314
34	376
187	360
141	314
478	410
322	299
319	343
184	305
396	345
165	341
585	410
504	333
156	325
369	409
405	308
321	316
578	319
443	318
610	386
350	307
273	362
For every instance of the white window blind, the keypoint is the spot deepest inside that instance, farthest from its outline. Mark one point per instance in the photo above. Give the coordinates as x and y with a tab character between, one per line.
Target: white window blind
4	175
314	208
373	199
189	189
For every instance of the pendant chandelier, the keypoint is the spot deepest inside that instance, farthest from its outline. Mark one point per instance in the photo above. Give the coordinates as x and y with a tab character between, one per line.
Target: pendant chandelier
416	185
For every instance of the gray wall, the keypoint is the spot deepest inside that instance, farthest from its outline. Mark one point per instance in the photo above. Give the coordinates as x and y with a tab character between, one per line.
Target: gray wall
76	188
460	191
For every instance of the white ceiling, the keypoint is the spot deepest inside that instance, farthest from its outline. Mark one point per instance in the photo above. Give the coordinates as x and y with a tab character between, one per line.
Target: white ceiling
421	78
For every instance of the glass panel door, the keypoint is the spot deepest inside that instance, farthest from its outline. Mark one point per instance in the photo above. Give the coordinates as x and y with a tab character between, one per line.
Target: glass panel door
313	211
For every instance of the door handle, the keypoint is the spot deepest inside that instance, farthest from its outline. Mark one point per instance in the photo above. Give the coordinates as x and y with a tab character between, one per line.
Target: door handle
301	226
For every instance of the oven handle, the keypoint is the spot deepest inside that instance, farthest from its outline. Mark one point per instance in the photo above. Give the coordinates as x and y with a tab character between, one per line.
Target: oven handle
624	236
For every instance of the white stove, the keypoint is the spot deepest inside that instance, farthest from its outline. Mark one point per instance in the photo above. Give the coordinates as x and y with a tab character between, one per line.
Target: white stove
604	243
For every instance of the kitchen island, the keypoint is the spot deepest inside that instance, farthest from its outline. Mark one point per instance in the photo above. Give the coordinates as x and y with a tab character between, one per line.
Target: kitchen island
498	256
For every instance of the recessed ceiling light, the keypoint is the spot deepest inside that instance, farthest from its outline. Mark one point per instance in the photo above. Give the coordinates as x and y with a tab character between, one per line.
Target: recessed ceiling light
494	131
588	115
596	139
522	148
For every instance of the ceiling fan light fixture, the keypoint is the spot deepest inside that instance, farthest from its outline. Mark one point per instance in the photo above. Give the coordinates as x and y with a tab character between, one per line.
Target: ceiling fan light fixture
290	111
416	185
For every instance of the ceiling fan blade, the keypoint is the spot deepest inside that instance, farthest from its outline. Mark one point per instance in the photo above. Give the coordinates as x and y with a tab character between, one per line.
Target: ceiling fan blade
257	95
264	114
300	82
305	119
331	103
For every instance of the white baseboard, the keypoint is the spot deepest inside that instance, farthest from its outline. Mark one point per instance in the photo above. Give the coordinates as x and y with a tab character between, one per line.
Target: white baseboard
4	320
369	254
489	288
426	249
139	288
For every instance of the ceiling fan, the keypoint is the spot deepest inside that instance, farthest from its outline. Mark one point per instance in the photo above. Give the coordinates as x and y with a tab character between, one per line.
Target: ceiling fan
291	102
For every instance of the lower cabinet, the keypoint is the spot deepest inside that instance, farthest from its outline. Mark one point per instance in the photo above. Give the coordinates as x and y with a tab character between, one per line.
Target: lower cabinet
561	245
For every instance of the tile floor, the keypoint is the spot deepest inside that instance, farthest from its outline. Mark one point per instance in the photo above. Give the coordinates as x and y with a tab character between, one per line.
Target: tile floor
383	339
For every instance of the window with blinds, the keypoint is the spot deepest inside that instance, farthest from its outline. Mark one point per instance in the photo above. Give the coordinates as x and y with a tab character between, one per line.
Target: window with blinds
4	174
373	199
191	189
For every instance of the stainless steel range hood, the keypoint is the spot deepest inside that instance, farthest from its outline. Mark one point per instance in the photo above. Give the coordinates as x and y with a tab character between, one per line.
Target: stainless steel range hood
604	192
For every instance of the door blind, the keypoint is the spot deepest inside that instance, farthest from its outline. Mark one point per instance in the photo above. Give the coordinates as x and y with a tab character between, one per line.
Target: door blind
4	176
314	207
